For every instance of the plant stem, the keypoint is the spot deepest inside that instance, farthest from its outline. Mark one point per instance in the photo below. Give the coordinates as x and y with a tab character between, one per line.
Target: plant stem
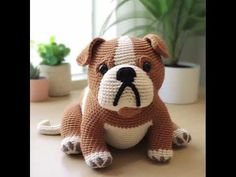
167	34
176	35
185	35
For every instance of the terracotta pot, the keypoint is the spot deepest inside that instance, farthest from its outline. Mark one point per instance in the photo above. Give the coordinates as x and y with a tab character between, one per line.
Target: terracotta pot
181	84
39	89
59	78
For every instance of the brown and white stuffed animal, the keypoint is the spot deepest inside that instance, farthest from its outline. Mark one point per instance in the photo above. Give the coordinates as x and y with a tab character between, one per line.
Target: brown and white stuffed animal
121	103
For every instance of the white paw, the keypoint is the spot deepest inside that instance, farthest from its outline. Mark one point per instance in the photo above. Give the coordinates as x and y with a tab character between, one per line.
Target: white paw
181	137
160	155
71	145
99	159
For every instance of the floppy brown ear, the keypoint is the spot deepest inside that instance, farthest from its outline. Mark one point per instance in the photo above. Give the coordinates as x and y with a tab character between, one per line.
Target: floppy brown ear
86	55
157	44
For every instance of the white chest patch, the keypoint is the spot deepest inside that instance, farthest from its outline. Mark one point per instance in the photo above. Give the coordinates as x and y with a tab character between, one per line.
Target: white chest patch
123	138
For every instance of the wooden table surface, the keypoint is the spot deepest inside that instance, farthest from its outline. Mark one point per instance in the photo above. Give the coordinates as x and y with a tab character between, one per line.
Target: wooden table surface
47	160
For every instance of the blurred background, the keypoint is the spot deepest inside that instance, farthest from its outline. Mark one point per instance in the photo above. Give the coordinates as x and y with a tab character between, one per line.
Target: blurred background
75	23
61	29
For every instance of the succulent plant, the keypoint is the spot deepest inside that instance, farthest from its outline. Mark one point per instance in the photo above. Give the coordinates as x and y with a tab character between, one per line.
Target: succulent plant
34	72
53	53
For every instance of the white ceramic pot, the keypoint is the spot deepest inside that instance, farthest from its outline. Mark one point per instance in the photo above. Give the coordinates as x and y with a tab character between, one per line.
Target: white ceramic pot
181	84
59	78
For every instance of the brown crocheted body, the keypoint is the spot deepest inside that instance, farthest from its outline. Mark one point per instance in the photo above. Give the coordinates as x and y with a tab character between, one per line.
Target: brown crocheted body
90	126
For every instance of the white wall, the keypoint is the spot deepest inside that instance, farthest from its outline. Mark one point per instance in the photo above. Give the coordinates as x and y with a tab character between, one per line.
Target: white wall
195	51
101	9
70	21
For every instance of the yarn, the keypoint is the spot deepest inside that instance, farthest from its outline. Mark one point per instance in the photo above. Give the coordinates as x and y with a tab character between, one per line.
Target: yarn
120	109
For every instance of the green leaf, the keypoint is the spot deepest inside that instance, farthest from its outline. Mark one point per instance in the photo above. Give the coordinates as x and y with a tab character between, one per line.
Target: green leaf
34	72
41	48
198	30
140	27
52	39
184	14
61	47
52	60
67	51
119	5
155	7
158	8
192	22
129	16
145	32
52	53
175	17
199	8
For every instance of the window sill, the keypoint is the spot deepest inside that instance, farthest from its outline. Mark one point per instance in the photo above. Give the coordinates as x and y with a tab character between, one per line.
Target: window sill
79	81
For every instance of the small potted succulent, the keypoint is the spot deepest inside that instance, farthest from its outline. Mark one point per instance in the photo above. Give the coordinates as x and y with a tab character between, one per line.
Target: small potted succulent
38	85
54	68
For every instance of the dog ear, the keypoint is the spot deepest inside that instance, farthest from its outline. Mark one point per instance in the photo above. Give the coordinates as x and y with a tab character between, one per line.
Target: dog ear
157	44
86	55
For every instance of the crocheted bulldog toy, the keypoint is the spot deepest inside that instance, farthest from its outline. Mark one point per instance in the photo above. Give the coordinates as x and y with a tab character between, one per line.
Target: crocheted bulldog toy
121	103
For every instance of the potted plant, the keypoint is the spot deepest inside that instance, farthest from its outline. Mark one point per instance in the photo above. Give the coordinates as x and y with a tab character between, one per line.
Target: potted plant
54	68
38	85
175	21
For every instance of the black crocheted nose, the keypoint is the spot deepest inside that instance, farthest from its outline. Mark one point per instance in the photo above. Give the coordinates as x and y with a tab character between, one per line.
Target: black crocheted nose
126	74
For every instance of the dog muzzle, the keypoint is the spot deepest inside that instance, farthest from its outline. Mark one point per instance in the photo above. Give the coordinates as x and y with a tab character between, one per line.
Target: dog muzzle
125	86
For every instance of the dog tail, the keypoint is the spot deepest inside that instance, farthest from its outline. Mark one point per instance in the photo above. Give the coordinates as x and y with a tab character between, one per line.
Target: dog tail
44	127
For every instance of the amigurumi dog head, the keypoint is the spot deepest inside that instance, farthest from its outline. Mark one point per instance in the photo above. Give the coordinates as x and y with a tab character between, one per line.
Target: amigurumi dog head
121	103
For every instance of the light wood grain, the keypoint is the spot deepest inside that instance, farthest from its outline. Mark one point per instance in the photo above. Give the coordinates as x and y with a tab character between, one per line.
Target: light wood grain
47	160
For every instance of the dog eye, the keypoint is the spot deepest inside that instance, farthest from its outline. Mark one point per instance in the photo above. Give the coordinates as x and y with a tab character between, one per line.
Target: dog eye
146	66
103	69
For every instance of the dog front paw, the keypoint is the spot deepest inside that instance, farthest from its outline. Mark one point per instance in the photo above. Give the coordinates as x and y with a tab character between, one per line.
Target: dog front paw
160	155
99	159
181	137
71	145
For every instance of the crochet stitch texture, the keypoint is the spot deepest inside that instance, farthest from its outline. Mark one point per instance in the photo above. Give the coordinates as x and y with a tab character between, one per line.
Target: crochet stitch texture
96	121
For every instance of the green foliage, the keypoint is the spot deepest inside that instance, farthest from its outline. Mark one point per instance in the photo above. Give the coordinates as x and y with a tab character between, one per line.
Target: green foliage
53	53
174	20
34	72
